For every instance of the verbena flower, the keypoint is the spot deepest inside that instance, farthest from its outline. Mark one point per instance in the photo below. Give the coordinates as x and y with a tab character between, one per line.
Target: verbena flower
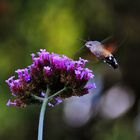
53	71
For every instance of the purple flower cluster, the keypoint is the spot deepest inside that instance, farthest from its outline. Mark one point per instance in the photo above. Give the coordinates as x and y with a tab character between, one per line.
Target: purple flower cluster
53	71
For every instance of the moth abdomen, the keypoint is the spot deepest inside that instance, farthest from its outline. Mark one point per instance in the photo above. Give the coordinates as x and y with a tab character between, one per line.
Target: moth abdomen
111	61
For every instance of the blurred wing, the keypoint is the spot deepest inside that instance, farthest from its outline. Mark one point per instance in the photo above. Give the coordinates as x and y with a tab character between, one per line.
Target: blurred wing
90	56
86	54
110	44
111	47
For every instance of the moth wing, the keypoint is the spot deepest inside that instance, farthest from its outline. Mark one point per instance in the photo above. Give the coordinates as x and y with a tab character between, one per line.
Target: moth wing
110	44
91	57
86	54
112	48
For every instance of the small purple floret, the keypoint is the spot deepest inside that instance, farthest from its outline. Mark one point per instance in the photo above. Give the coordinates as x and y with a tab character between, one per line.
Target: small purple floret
43	94
9	103
90	86
47	70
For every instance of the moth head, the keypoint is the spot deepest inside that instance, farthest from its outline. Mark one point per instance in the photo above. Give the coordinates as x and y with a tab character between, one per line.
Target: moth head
90	44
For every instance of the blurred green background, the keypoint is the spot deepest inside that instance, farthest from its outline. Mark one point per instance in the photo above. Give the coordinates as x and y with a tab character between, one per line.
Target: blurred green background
111	111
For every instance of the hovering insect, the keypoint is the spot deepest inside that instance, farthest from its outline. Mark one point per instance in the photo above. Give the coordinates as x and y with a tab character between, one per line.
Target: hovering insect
103	51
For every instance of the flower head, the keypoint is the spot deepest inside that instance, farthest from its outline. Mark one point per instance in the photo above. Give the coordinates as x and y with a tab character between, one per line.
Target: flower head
53	71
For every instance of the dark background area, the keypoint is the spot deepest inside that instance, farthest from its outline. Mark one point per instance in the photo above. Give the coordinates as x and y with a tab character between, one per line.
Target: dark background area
111	111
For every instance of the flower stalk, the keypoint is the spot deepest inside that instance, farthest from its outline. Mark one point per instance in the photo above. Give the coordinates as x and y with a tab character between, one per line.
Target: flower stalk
38	98
41	118
43	109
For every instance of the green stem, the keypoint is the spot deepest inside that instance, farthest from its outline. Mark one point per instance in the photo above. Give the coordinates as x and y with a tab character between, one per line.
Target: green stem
43	109
38	98
57	93
41	119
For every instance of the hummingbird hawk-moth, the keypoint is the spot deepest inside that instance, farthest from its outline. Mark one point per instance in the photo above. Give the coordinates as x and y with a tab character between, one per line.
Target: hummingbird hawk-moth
103	51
